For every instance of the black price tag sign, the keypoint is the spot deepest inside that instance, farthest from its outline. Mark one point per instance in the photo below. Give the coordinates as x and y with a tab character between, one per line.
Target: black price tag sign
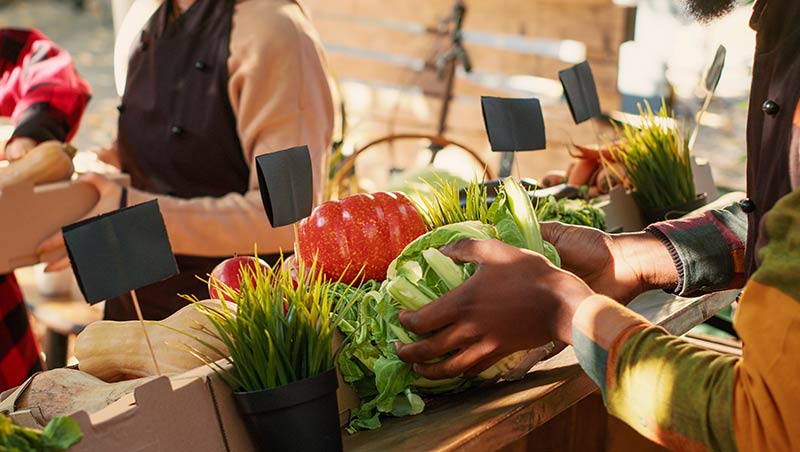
117	252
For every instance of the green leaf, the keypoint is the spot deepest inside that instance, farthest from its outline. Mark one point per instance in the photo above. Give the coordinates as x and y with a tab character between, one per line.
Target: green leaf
60	434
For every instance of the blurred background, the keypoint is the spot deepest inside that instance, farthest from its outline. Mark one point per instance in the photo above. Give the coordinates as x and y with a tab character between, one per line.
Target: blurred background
418	67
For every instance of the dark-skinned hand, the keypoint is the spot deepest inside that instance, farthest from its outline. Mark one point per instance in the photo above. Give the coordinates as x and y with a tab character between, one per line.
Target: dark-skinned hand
516	300
620	266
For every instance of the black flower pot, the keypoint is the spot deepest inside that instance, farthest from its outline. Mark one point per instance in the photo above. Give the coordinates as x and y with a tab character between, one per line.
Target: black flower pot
673	212
301	416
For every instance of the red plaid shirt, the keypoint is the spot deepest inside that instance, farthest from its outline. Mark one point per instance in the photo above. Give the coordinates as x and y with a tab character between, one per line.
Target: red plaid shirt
45	98
39	87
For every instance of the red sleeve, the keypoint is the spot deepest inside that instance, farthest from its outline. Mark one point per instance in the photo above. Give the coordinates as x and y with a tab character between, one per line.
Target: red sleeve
39	87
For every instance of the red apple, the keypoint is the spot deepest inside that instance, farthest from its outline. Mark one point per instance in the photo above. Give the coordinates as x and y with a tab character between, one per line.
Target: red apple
229	271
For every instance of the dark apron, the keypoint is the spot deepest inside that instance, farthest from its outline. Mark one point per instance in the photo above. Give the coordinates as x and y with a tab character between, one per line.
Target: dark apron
776	78
177	132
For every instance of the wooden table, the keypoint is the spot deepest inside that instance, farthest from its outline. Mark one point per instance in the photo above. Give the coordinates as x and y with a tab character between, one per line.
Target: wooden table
492	417
63	316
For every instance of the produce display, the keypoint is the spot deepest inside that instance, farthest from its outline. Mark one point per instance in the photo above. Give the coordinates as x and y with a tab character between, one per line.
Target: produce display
59	435
50	161
358	236
420	274
116	351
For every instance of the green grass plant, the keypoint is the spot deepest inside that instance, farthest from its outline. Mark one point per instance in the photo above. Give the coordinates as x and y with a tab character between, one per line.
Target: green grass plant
281	330
656	160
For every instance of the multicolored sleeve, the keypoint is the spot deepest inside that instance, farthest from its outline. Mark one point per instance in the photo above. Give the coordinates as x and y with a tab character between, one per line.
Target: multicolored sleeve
688	398
41	91
708	249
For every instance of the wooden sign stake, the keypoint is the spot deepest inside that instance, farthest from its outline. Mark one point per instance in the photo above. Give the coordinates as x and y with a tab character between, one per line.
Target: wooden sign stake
144	330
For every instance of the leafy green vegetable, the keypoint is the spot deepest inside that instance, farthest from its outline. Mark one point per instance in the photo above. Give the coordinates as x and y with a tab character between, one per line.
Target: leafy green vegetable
59	435
571	211
418	276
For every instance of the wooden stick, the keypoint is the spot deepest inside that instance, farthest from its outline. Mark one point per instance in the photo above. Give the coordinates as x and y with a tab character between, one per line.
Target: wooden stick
697	120
144	330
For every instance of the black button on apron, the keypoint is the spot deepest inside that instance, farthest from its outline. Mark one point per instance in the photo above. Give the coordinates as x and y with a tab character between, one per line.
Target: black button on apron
747	205
177	130
120	108
200	65
770	107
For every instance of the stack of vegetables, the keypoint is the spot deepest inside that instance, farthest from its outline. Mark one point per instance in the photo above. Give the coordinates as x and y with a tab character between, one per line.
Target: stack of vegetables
419	275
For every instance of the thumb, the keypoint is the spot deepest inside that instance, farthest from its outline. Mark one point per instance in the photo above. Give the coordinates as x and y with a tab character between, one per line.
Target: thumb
466	250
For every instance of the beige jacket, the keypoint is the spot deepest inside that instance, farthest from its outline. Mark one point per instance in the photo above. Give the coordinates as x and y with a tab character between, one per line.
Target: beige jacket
281	95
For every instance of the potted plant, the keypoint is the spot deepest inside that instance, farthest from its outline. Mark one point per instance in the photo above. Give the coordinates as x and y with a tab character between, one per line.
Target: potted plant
279	339
656	160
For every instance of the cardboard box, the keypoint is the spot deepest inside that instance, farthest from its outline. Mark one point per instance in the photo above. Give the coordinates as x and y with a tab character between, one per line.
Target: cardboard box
193	411
31	214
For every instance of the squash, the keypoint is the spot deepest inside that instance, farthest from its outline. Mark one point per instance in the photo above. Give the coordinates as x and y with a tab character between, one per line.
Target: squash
50	161
61	392
116	351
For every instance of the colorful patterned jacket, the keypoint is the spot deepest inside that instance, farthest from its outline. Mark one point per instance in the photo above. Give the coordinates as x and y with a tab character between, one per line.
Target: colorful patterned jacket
680	395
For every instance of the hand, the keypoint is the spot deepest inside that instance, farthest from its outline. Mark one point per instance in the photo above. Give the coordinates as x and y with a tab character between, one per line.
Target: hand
516	300
52	249
620	266
17	149
110	155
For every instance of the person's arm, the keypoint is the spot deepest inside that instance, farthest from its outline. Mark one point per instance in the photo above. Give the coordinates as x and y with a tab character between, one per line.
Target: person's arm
707	250
42	93
688	398
281	97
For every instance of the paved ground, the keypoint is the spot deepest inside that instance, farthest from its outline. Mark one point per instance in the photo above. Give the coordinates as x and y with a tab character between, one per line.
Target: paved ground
88	36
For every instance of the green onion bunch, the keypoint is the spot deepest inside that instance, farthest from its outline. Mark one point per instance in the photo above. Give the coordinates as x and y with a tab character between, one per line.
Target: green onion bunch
657	161
281	329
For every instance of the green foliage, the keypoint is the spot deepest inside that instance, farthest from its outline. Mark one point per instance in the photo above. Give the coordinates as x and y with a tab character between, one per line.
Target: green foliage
571	211
418	276
281	330
59	435
656	160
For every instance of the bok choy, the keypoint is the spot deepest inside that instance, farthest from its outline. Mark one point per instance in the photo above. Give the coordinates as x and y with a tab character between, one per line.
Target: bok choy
418	276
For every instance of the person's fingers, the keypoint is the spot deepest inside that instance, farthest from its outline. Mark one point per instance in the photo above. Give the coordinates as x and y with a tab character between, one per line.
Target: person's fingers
552	231
437	314
470	250
457	364
58	265
18	148
483	364
50	244
437	345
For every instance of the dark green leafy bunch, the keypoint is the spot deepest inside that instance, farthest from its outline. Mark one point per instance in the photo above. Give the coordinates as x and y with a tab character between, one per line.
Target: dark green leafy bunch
59	435
281	329
571	211
656	160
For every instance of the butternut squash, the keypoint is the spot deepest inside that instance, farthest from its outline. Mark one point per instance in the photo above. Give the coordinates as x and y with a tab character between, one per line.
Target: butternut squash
50	161
116	351
61	392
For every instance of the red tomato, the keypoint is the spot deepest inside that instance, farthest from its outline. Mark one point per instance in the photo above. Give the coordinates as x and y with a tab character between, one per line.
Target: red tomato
362	230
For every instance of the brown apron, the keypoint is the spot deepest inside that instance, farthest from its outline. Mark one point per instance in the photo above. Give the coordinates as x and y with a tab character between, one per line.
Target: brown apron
774	95
177	131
